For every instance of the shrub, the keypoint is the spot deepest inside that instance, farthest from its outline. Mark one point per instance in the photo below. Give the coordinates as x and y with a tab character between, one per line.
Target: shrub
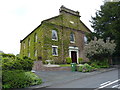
100	64
19	79
68	60
94	64
8	55
17	63
80	60
85	68
27	63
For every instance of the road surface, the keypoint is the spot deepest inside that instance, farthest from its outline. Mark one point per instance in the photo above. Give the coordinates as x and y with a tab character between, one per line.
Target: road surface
103	80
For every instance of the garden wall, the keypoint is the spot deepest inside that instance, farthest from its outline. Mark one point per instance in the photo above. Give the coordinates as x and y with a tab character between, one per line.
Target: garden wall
38	66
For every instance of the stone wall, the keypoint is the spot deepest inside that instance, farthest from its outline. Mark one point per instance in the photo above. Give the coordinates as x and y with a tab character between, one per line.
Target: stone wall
38	66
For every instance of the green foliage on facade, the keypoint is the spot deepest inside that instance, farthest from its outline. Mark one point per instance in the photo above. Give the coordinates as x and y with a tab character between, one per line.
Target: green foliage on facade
63	26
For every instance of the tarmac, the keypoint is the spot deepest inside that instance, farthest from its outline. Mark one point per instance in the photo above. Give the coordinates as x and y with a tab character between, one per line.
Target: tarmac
50	78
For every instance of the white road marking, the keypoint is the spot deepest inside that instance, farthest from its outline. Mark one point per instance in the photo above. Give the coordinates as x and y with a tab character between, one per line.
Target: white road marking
109	83
105	83
115	86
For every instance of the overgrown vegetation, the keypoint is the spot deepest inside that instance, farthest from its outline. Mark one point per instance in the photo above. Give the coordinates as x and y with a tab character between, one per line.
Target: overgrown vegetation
106	24
100	50
68	60
85	68
80	60
19	79
16	72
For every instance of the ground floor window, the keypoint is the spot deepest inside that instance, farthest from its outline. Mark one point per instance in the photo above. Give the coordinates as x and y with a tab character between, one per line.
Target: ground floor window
35	53
28	54
55	50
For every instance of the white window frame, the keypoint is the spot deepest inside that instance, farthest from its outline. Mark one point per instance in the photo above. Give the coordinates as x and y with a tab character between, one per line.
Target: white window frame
73	37
35	37
29	42
71	22
28	54
35	53
56	50
55	35
85	39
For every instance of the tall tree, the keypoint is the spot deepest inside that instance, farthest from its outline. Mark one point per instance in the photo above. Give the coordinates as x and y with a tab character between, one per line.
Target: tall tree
106	23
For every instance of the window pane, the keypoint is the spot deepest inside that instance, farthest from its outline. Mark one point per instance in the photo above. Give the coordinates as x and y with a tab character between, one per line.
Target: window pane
35	54
72	37
29	54
29	42
54	51
35	38
54	35
85	39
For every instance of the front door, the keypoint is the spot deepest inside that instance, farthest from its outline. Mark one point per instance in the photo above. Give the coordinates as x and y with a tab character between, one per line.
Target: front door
74	56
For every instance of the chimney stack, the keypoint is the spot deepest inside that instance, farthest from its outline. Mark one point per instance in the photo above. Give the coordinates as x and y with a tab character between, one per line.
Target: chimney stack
63	10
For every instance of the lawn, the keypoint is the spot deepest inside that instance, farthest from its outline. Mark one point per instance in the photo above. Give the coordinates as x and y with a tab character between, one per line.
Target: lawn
64	65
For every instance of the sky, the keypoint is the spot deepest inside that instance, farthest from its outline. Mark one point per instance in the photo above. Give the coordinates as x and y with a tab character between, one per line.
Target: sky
20	17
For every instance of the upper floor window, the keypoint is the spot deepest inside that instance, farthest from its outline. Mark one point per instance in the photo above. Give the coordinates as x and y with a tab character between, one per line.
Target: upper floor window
55	50
54	35
72	37
35	37
85	39
29	42
23	45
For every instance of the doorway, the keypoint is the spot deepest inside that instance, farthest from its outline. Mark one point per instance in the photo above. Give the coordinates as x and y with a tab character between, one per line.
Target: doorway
74	56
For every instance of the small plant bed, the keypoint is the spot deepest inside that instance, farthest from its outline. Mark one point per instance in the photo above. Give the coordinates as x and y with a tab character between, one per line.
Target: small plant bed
64	65
86	68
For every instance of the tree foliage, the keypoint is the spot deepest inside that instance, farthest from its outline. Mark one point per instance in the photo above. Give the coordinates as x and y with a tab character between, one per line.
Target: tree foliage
106	23
98	49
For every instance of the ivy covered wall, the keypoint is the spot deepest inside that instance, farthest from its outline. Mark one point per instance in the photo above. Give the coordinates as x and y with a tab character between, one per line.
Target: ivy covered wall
64	24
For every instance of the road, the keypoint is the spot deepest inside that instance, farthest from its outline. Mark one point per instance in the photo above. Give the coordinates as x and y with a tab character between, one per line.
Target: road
98	81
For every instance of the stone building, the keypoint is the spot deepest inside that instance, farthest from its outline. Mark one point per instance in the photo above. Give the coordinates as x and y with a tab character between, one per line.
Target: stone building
56	38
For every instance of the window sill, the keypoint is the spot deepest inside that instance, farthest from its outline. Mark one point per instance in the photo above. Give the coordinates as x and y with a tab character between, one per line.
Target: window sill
55	55
72	42
55	39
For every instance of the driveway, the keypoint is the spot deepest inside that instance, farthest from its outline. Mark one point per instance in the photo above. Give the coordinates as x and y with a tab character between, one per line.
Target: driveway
51	78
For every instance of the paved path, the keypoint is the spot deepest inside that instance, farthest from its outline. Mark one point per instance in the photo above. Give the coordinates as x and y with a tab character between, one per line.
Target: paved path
50	78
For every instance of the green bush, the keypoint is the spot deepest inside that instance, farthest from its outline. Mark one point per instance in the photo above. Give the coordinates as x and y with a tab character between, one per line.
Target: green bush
68	60
80	60
95	64
8	55
85	68
19	79
100	64
17	63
